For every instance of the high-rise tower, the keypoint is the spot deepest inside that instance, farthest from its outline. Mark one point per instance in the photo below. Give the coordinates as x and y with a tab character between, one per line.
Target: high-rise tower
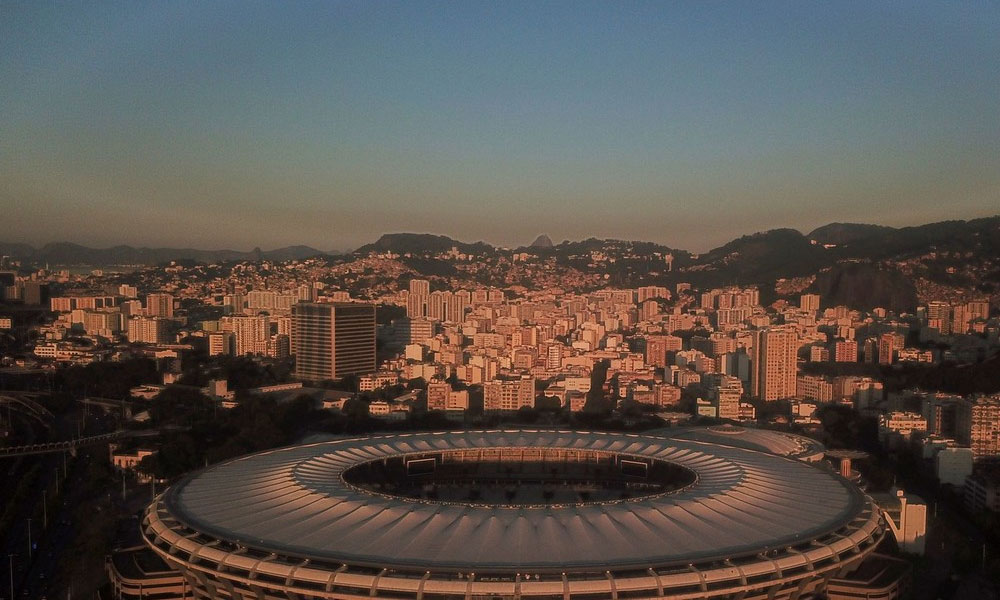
330	341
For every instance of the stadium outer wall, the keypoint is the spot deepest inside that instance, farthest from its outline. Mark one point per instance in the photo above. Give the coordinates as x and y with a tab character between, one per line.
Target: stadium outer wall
220	566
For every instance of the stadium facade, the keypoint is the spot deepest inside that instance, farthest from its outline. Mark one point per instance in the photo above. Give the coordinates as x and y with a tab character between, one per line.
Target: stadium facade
548	515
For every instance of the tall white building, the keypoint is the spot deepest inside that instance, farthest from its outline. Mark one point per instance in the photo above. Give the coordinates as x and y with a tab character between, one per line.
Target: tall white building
249	332
775	368
417	299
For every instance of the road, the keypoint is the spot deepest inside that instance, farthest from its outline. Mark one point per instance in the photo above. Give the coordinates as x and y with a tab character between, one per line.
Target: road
51	528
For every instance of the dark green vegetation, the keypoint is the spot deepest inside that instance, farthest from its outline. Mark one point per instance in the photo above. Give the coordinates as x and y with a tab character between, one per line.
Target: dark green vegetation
784	253
214	434
764	257
429	266
977	378
865	286
107	379
868	241
844	427
846	233
241	372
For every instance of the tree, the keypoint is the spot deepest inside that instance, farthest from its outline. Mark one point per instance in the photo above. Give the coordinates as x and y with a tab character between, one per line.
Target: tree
180	404
527	414
547	403
596	401
107	379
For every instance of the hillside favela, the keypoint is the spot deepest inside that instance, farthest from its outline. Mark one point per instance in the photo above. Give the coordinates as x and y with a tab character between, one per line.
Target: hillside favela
514	301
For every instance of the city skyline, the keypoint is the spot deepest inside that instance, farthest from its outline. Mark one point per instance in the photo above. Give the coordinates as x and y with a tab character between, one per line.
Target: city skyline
523	243
328	124
340	299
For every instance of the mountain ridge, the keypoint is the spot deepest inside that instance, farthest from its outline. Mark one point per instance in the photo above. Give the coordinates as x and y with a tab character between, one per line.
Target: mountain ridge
409	243
780	252
69	253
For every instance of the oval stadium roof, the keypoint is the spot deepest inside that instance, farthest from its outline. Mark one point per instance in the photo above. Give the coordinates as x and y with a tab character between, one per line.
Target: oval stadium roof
763	440
293	501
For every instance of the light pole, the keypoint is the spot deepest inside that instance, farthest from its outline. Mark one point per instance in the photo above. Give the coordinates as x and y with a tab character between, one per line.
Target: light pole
45	511
29	539
10	557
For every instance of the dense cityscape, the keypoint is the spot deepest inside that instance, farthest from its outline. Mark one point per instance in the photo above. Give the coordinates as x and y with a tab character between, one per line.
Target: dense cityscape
120	380
563	300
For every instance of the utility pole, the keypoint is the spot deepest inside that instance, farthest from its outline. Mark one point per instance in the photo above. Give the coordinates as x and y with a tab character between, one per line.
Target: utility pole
29	539
10	558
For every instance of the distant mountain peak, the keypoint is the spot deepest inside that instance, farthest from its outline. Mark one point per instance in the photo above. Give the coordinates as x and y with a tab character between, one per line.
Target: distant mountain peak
418	243
542	241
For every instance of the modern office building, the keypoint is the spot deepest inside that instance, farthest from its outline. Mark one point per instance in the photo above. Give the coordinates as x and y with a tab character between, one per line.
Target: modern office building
520	514
414	331
330	341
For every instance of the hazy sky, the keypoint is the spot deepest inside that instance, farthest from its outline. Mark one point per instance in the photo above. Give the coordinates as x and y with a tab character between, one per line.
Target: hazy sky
242	124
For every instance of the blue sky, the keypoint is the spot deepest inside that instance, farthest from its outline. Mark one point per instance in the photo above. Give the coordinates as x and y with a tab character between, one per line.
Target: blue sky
242	124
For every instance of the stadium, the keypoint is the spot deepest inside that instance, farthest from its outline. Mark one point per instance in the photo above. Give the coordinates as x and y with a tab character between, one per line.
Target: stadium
772	442
548	515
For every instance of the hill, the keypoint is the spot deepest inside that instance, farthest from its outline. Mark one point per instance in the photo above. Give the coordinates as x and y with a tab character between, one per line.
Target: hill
876	242
866	286
542	241
65	253
421	243
978	235
761	257
846	233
